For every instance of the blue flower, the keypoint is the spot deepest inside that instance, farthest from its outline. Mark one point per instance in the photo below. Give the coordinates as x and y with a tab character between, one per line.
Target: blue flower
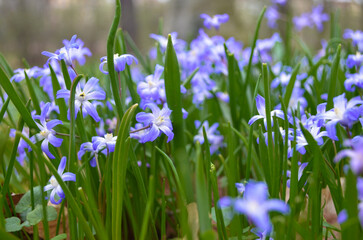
57	189
77	52
342	216
64	52
150	88
318	17
20	76
260	103
108	141
47	134
158	121
119	62
356	36
316	134
344	112
302	166
90	91
354	60
214	138
214	21
302	21
178	44
94	149
272	15
354	80
355	154
256	205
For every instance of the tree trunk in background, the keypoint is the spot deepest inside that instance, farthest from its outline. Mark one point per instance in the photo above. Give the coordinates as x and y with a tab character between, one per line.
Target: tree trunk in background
179	18
128	18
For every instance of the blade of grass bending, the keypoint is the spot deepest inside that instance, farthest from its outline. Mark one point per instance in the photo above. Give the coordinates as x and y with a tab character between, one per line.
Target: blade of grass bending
148	208
232	89
119	163
250	134
137	52
270	146
333	78
72	157
12	160
285	152
202	192
127	73
59	101
189	79
249	66
3	109
9	89
32	94
174	100
291	85
9	71
72	202
110	60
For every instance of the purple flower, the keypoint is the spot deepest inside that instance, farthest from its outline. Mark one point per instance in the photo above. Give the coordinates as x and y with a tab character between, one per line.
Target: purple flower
77	53
302	166
302	21
150	88
354	80
344	112
178	44
355	154
214	138
64	52
342	216
354	60
20	76
272	15
318	17
256	206
214	21
119	62
94	149
281	2
260	103
108	141
90	91
47	134
356	36
57	189
158	120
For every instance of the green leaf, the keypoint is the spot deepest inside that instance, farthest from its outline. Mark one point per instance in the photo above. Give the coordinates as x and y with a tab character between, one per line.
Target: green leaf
12	224
35	216
3	109
6	66
227	213
60	237
25	202
32	94
14	97
333	78
59	101
291	85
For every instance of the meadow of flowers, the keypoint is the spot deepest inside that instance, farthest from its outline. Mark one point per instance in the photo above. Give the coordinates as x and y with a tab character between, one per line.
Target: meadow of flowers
208	139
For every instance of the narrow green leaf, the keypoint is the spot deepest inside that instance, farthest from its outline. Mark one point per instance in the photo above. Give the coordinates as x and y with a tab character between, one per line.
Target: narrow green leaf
6	65
32	94
60	237
333	78
189	79
174	100
291	85
3	109
14	97
67	78
148	208
232	89
59	101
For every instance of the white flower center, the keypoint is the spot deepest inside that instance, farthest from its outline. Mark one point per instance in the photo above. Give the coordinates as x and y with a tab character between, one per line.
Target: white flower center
45	133
108	137
159	120
81	97
54	182
151	84
338	113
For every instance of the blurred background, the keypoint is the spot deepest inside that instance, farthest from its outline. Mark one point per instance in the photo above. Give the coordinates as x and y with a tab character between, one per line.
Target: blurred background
28	27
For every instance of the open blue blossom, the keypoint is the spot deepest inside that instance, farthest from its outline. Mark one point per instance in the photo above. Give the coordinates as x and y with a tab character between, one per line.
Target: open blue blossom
272	15
119	62
179	45
19	74
158	121
256	205
356	36
22	144
315	133
150	88
302	166
260	103
47	134
64	52
214	21
94	150
354	60
90	91
108	141
302	21
57	189
318	17
354	80
355	154
344	112
214	138
79	52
